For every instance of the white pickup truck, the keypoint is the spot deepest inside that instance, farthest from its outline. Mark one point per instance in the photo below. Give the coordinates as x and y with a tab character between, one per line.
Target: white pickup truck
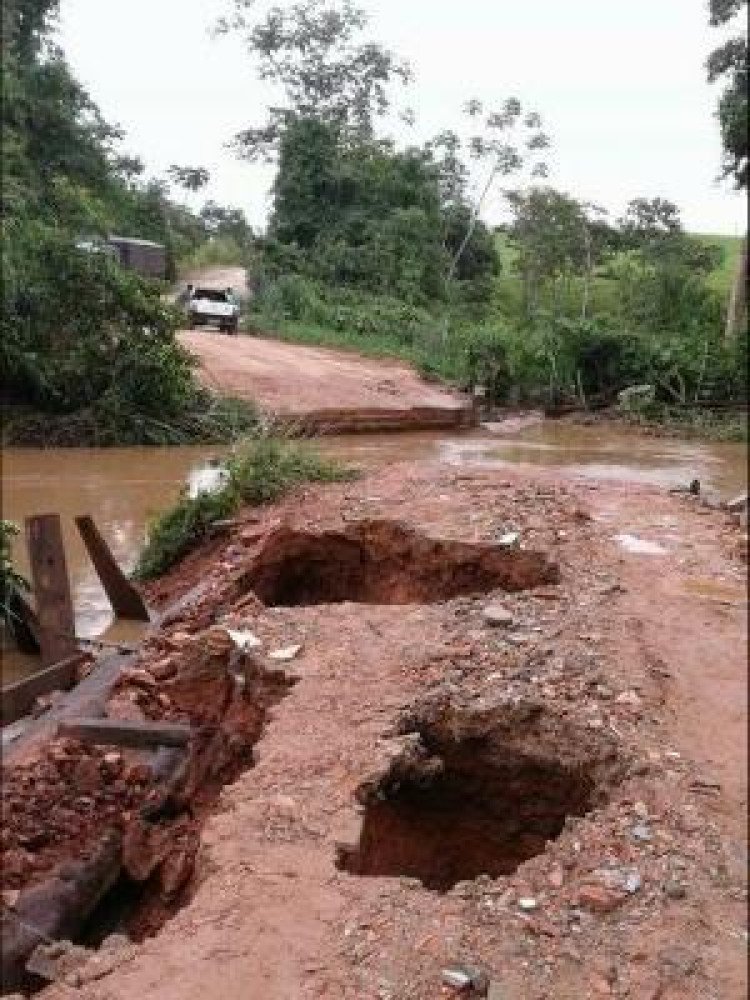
213	306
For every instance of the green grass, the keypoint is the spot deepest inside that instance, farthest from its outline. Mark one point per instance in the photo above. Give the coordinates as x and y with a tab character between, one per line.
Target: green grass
721	279
260	470
699	424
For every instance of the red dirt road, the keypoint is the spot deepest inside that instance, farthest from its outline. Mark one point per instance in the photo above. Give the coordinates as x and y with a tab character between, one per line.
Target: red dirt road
643	652
300	381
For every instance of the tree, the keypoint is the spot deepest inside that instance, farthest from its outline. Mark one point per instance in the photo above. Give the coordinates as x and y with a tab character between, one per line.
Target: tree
357	212
314	51
729	63
661	276
506	142
219	220
190	178
557	237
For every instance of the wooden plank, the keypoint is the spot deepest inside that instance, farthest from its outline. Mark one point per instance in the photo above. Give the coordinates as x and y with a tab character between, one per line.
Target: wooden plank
125	599
49	573
126	734
17	699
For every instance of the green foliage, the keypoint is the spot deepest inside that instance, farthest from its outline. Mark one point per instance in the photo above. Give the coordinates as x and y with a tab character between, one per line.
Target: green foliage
728	249
87	347
109	422
75	326
13	584
356	214
729	63
190	178
215	251
259	471
361	317
314	51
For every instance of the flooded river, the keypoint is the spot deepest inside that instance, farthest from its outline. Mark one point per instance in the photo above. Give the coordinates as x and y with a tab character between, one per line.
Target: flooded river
123	488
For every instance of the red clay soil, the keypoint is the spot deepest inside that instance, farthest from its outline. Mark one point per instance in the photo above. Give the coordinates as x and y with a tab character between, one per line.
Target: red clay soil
584	744
320	384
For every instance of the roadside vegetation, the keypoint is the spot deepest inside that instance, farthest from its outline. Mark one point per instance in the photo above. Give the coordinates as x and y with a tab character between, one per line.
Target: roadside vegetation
87	349
382	249
13	584
260	470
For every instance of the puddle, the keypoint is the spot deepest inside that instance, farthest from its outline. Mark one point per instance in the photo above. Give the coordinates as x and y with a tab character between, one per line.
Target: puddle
639	546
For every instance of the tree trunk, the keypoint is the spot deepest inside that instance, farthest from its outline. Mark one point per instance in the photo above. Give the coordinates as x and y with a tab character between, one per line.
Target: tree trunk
737	310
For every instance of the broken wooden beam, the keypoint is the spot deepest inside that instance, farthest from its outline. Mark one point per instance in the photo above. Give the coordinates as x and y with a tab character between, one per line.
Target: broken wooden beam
125	598
55	908
16	700
49	573
127	734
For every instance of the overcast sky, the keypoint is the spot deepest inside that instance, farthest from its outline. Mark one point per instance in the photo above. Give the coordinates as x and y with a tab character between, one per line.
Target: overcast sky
621	88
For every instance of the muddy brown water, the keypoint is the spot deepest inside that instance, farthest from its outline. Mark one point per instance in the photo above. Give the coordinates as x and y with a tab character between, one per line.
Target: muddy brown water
124	488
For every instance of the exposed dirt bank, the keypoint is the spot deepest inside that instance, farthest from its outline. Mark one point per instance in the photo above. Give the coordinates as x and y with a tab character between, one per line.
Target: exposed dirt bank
582	741
323	389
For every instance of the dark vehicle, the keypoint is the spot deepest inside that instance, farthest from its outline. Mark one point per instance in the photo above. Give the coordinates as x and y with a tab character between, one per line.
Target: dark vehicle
213	306
146	258
143	256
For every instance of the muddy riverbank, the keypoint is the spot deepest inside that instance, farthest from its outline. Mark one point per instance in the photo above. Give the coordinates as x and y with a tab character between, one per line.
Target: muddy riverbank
540	775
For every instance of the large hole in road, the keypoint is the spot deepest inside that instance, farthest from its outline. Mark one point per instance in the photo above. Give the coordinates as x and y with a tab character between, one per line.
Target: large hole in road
464	804
385	562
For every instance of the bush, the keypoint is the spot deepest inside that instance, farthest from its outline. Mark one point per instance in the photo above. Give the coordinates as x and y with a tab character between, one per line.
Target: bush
259	471
358	315
13	584
206	418
75	325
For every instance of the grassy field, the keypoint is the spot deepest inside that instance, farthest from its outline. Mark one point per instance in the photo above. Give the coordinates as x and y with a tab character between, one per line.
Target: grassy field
723	276
604	290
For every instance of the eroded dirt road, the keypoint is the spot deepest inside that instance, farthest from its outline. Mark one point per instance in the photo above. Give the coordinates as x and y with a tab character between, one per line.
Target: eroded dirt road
584	743
321	385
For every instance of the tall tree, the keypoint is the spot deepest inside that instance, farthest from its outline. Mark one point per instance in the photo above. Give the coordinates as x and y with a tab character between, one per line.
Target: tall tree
506	141
728	63
314	50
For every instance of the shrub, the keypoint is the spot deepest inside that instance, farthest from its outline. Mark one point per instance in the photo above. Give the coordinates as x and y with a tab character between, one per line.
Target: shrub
13	584
76	325
259	471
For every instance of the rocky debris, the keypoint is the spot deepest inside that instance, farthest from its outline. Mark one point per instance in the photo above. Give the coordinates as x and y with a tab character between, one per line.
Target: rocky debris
73	965
738	504
497	615
285	654
467	979
244	640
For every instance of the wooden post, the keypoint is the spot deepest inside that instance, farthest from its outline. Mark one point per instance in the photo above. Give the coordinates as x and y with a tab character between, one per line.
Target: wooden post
49	572
125	599
126	734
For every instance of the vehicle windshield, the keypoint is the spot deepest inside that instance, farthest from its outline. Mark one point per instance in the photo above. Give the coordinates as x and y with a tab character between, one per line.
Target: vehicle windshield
212	294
